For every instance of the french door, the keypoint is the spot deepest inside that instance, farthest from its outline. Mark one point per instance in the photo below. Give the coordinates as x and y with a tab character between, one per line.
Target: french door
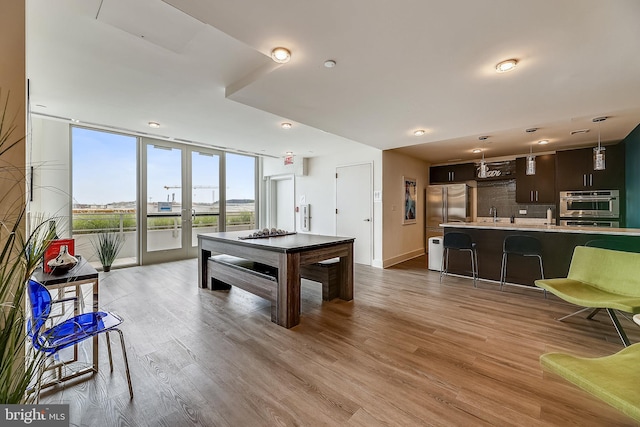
181	193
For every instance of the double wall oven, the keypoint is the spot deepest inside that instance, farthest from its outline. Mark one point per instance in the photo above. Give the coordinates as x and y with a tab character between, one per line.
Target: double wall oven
590	208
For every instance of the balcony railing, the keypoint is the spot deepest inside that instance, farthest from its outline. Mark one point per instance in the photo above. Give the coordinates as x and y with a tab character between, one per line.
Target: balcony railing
164	230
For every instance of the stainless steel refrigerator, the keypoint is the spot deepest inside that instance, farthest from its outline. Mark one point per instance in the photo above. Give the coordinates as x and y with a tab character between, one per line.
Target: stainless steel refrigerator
447	203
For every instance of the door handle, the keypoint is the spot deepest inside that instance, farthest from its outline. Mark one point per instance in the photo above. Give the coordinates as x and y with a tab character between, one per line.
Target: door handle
590	180
584	179
367	219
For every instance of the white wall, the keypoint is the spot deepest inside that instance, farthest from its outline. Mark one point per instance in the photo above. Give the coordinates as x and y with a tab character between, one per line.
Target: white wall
50	153
319	191
402	241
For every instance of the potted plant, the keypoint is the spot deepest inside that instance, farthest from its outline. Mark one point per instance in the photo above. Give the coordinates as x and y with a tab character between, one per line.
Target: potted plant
20	254
107	246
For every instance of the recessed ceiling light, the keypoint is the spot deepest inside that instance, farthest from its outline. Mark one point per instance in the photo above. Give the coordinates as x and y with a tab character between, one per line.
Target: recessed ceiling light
507	65
329	63
543	141
286	125
574	132
154	125
281	55
477	150
419	132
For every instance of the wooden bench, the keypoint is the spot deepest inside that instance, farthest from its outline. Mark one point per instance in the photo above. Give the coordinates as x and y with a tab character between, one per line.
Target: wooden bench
259	279
600	279
262	280
326	272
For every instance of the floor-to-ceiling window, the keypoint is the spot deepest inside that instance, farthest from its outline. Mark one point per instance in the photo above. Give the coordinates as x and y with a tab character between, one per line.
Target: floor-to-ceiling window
104	191
240	212
157	194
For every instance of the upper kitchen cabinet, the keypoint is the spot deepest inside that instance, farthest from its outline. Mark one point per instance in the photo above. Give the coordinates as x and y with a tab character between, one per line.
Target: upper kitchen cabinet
538	188
575	170
452	173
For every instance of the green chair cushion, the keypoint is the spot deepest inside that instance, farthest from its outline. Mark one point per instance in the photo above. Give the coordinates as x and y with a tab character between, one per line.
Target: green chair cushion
600	278
612	271
583	295
614	379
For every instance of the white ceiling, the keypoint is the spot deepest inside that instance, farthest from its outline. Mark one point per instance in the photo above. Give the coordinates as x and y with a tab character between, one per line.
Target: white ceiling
202	70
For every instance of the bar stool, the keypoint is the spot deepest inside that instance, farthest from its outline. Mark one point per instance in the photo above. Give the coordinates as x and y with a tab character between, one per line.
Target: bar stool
519	245
460	242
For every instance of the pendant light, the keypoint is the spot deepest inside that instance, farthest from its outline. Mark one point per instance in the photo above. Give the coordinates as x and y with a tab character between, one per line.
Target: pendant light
598	152
531	159
531	163
482	173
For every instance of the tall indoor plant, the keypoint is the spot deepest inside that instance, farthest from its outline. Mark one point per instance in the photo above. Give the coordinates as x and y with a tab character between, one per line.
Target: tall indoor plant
20	253
107	246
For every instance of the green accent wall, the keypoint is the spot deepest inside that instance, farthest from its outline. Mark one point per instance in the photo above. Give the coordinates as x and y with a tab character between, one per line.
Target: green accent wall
632	177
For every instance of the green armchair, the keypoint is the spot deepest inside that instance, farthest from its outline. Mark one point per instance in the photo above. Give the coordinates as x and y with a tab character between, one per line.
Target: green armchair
600	279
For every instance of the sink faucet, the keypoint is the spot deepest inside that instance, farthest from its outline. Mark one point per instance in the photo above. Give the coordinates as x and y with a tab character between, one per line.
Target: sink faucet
494	211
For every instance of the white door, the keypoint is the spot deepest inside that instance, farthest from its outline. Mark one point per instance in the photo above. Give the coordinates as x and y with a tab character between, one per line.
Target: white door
285	205
354	216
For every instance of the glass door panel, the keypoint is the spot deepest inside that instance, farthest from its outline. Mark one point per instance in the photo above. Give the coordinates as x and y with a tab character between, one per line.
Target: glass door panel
164	198
205	194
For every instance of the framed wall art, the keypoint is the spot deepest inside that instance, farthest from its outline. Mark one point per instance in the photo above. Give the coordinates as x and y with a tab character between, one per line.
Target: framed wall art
410	187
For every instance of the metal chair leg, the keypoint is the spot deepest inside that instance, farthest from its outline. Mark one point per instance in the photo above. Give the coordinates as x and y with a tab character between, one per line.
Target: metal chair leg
126	362
573	314
474	267
503	270
618	327
593	313
444	264
109	350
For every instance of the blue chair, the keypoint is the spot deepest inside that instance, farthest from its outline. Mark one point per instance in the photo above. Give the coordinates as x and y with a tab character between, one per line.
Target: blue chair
71	331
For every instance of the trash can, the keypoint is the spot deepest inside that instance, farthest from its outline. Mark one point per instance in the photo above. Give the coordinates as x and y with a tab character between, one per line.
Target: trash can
435	253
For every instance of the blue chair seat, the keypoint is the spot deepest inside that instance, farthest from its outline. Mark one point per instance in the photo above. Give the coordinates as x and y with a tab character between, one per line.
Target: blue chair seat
76	329
69	332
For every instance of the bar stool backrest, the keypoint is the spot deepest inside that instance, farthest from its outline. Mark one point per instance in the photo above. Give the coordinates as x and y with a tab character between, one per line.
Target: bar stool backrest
522	245
455	240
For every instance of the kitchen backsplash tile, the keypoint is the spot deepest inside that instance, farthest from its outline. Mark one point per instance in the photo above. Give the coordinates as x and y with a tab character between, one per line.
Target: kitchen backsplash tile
502	195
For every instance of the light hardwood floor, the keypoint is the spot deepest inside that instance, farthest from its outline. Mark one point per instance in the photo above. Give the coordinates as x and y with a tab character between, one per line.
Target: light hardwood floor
407	351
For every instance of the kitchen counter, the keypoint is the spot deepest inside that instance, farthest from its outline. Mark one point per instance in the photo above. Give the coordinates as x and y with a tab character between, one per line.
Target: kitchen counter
505	225
557	244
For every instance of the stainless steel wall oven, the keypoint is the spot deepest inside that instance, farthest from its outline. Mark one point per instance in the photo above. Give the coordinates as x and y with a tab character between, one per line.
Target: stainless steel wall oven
590	204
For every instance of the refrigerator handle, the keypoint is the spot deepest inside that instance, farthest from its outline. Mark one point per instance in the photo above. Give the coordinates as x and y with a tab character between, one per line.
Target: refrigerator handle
445	205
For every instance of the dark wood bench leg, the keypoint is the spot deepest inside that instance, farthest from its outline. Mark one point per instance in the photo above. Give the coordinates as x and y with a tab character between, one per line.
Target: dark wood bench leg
217	285
328	275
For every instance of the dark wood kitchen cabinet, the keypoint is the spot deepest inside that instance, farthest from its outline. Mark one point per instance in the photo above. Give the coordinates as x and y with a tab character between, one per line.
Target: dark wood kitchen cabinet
452	173
574	169
538	188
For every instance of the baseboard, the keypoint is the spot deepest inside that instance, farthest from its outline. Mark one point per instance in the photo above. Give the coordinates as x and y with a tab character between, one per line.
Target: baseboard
402	258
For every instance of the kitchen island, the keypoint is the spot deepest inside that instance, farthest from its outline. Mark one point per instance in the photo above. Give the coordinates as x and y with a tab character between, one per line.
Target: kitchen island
557	248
